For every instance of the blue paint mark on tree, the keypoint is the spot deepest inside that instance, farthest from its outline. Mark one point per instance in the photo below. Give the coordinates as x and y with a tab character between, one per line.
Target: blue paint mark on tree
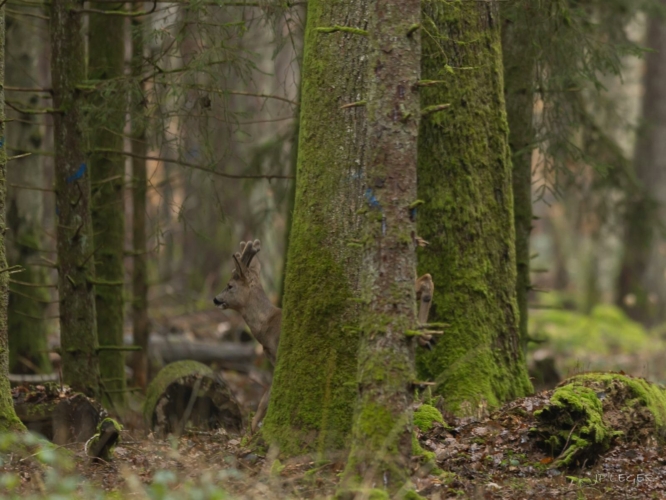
78	174
2	141
372	199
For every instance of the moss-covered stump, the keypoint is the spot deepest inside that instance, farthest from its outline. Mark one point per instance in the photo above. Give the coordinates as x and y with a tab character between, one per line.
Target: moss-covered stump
59	414
102	444
589	412
188	394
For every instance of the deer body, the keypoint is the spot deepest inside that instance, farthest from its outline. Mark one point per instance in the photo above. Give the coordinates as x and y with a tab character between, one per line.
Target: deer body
265	323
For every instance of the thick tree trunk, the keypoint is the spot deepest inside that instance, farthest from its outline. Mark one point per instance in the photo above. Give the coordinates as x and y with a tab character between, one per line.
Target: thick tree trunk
382	431
313	391
8	418
140	321
641	287
28	349
106	59
78	330
465	182
519	71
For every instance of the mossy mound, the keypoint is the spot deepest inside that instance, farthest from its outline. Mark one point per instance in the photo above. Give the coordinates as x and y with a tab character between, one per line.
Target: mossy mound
589	412
425	416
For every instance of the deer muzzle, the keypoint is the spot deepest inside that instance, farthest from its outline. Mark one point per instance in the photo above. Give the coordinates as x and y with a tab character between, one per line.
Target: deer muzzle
220	303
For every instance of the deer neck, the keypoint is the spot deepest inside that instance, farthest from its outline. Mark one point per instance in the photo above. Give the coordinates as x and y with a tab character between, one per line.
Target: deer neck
258	312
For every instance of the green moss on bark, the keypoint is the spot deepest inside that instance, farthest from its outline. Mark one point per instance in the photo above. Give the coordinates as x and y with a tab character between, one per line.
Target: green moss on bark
106	62
313	389
465	181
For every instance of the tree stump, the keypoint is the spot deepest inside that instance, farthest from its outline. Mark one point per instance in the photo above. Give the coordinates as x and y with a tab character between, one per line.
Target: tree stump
188	394
60	415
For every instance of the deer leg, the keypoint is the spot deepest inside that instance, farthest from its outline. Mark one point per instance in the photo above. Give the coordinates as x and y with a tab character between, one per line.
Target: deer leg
261	410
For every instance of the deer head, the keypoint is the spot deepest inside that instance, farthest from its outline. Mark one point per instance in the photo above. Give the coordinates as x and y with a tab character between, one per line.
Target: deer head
244	282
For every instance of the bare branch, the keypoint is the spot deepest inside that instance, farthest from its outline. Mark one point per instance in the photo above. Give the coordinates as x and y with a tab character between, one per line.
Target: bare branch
195	166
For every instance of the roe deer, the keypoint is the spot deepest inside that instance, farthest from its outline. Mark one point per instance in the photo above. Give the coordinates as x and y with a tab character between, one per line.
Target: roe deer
245	295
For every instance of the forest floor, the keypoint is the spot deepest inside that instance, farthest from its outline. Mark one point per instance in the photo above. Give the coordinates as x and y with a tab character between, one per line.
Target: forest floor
489	456
494	457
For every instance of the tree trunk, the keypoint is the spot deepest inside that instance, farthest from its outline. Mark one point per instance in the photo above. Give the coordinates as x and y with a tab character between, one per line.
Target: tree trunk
382	431
519	70
641	290
28	349
313	391
106	60
465	182
8	419
140	321
78	330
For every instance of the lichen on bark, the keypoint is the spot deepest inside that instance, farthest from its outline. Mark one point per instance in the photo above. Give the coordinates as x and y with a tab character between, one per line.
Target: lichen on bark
465	180
313	388
106	63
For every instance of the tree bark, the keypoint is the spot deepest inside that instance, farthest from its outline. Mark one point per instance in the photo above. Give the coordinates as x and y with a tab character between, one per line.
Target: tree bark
8	419
140	321
28	349
382	431
106	60
519	70
313	390
78	329
641	287
467	216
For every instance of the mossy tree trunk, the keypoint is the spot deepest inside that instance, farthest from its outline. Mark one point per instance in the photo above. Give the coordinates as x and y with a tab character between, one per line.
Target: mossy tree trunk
78	330
106	60
382	431
641	287
8	419
140	321
28	349
313	393
465	181
519	70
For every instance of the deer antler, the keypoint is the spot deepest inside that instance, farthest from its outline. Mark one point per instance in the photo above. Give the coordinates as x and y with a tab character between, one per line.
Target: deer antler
243	259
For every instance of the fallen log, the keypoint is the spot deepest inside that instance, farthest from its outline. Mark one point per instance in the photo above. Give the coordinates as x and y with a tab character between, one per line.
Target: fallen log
188	394
229	355
169	350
